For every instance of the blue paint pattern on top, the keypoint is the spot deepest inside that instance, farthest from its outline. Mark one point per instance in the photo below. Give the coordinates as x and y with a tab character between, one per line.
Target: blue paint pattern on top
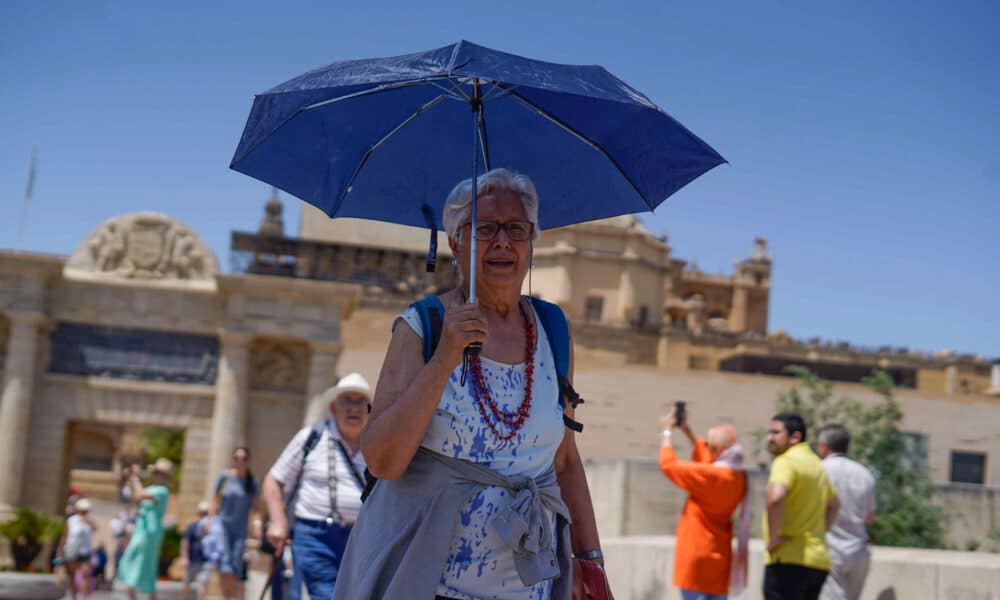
480	565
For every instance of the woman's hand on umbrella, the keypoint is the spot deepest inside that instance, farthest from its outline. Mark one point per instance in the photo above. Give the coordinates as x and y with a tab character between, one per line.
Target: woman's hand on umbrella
462	326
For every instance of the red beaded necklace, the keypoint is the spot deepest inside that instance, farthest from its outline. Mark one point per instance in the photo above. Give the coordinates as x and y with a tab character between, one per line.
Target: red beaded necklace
484	399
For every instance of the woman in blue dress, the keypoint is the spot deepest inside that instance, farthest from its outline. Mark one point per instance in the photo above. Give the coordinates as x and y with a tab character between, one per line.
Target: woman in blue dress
236	494
495	418
139	563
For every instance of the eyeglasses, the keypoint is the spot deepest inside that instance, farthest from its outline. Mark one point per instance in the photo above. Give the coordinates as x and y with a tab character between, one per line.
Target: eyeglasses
352	400
517	231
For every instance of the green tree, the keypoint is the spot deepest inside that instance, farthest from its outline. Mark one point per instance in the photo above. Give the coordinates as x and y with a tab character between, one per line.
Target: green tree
28	531
907	514
164	443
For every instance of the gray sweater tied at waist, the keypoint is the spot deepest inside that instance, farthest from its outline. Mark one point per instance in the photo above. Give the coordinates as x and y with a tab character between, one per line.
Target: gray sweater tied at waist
400	542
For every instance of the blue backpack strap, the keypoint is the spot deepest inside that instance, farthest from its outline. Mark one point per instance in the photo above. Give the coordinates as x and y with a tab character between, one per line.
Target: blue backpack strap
557	330
431	313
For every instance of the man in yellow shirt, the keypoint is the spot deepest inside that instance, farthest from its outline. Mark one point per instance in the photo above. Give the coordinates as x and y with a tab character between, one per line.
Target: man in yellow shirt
801	507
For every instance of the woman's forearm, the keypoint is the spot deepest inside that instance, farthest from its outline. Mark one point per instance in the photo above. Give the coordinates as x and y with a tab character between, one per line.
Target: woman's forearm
392	436
576	495
137	488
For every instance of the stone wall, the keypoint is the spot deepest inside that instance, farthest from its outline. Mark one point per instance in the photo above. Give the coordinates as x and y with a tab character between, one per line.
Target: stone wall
641	568
975	511
633	498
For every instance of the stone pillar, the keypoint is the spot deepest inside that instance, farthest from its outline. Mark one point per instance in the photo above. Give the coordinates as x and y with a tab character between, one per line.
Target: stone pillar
627	309
15	406
322	376
696	314
662	350
229	414
950	379
738	312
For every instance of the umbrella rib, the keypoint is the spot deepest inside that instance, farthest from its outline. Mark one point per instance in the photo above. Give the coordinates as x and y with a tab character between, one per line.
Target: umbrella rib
484	143
373	147
595	146
505	91
459	89
450	93
300	110
375	90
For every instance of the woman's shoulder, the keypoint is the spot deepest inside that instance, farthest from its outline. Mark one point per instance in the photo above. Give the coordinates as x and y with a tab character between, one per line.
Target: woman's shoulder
411	316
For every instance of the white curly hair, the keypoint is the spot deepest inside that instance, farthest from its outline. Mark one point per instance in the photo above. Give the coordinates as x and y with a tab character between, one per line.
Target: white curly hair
458	206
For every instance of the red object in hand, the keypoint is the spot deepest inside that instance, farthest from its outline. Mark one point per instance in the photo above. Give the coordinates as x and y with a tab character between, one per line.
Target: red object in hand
589	581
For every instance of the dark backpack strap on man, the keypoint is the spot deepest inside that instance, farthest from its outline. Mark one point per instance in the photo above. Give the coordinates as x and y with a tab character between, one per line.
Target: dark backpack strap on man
315	433
358	477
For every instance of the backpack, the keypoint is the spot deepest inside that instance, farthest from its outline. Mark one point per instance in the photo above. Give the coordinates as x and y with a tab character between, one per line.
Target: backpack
315	433
431	314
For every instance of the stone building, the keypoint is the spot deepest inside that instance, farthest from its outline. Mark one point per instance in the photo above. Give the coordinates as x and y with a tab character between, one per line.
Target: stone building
650	328
139	329
632	301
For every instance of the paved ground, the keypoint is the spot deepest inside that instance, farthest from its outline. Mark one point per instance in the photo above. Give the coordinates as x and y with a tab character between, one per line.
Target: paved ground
165	590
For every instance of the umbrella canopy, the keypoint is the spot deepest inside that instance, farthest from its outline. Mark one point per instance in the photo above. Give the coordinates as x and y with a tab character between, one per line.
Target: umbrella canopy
388	138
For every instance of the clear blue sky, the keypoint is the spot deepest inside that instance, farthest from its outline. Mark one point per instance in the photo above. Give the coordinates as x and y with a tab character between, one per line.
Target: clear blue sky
862	136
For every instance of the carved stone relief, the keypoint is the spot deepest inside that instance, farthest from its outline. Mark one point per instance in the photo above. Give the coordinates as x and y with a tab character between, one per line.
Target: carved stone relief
279	366
144	245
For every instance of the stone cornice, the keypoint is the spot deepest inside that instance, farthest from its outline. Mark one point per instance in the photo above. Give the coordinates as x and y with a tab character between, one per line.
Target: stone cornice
109	383
31	263
556	252
346	295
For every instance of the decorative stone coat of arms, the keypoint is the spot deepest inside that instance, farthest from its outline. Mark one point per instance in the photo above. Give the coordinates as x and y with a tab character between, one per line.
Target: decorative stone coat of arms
144	245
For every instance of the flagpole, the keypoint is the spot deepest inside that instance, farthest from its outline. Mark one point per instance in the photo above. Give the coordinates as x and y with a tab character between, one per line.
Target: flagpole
28	191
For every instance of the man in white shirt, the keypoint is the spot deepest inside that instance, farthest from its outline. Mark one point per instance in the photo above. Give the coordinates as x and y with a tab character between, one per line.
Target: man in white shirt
847	540
321	473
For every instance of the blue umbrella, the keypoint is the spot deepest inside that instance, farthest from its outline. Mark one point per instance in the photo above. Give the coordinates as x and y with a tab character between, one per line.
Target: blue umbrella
388	138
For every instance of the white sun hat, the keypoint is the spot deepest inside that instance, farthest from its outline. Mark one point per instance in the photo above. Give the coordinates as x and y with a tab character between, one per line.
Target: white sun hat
82	505
352	382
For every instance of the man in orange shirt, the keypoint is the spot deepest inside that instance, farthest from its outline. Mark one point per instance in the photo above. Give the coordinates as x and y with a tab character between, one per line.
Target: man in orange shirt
704	566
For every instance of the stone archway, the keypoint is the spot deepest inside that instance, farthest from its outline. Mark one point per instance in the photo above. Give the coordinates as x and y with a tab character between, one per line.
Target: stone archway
138	329
62	401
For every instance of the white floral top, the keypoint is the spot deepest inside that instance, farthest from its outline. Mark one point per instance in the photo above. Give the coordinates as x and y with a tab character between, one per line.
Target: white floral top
479	564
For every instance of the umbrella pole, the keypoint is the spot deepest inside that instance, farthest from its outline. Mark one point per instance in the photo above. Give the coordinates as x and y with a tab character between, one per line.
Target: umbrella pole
477	112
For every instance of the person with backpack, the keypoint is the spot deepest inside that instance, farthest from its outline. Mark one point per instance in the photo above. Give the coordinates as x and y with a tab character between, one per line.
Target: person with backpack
236	495
317	483
479	474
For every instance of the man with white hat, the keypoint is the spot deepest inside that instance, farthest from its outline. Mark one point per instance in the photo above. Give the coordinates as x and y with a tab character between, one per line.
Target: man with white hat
320	474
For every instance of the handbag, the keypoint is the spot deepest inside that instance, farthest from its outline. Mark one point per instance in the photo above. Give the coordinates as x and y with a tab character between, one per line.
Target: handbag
590	582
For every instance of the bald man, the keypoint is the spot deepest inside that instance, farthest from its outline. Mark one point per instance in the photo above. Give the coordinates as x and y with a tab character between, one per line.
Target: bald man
716	485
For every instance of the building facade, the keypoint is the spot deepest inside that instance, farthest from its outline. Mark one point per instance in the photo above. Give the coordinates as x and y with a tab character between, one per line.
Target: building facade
139	330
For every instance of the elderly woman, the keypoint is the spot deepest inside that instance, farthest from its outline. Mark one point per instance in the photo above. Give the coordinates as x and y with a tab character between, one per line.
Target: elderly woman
480	476
716	483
